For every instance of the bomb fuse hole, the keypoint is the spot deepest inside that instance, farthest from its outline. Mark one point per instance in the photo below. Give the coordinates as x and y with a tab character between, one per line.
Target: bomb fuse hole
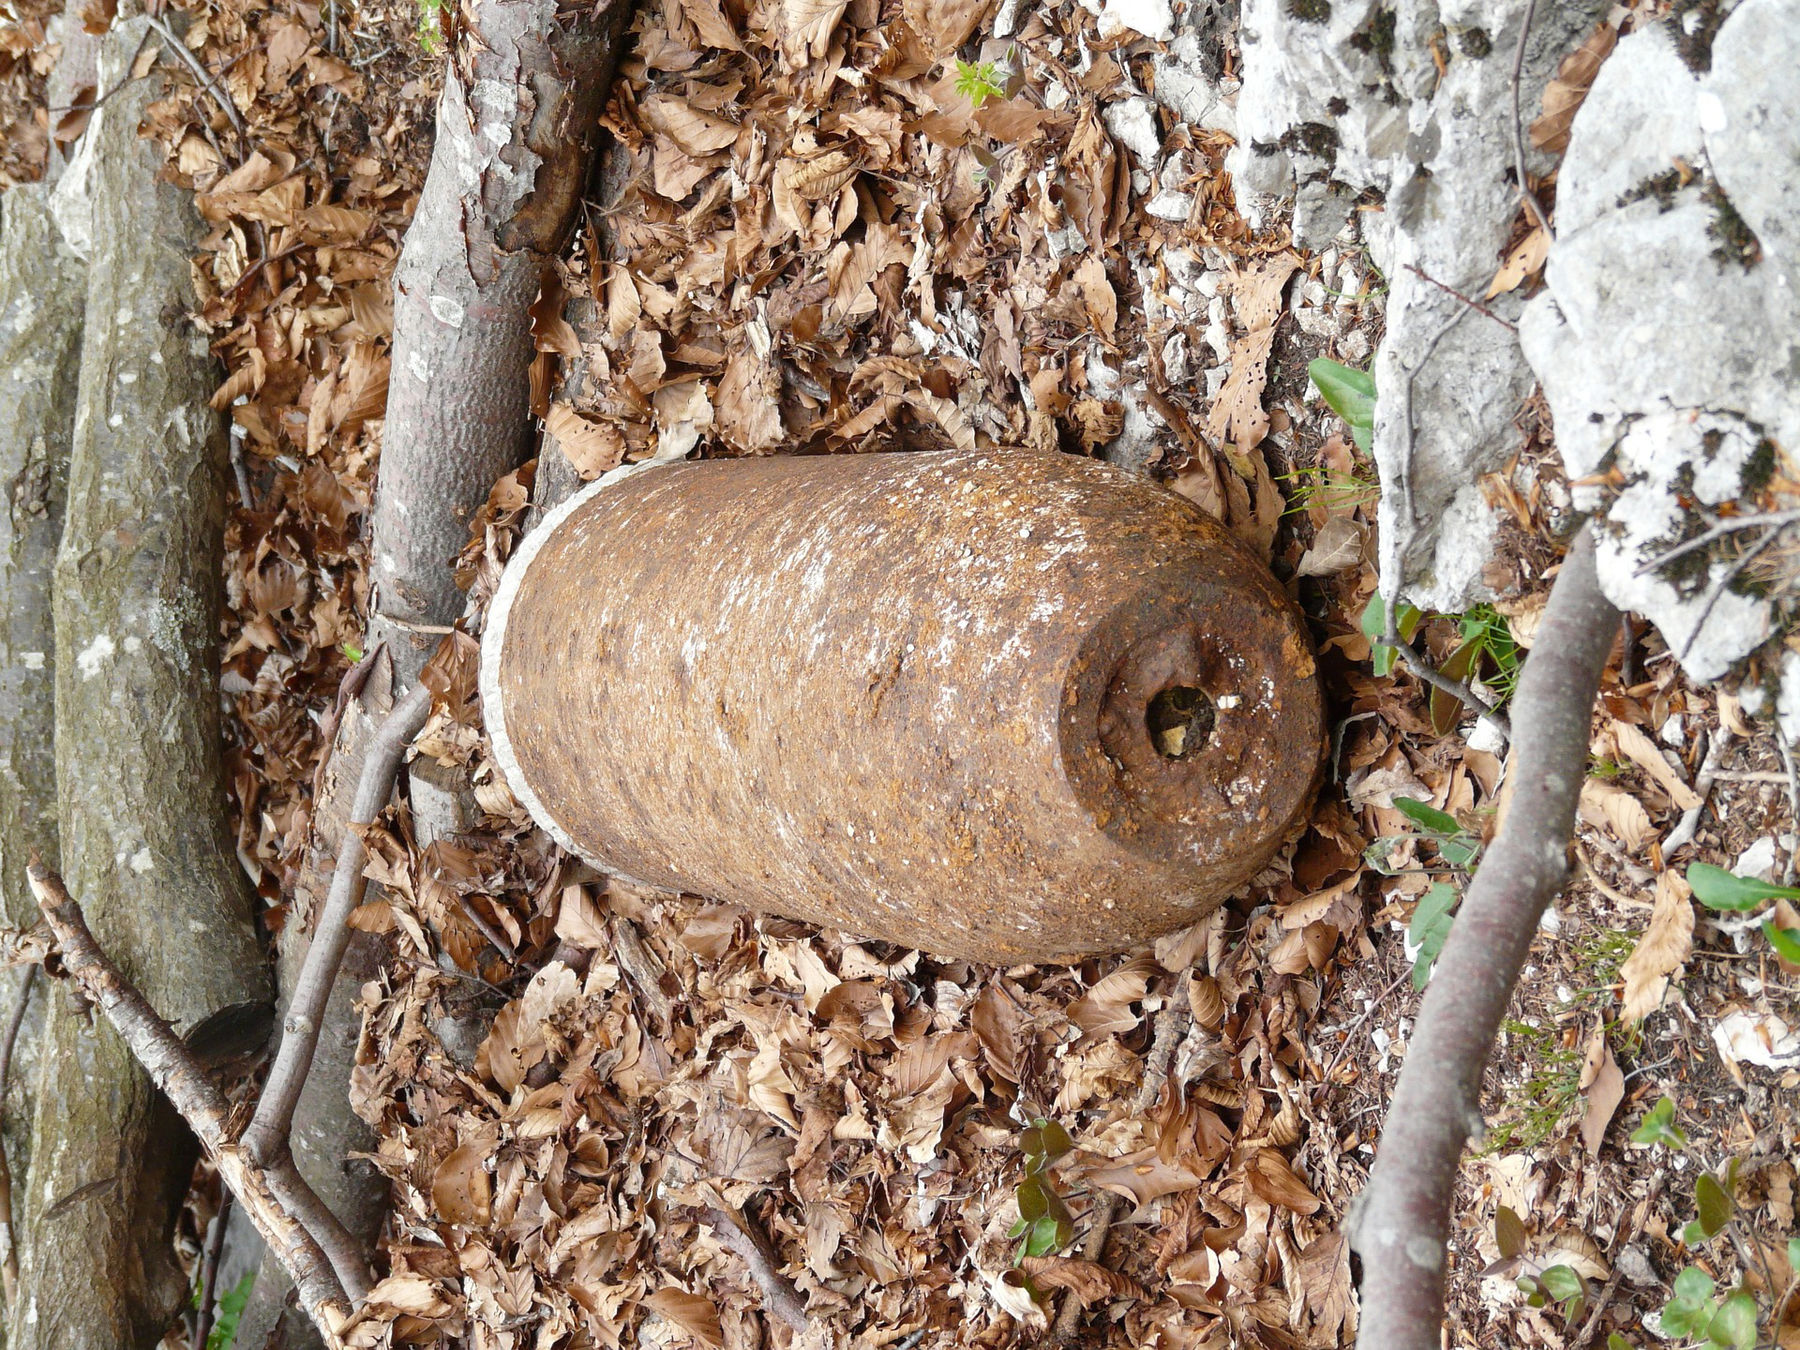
1180	720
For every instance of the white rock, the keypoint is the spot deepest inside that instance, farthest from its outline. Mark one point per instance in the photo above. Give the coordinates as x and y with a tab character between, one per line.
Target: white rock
1154	19
1170	205
1758	860
1133	122
1762	1039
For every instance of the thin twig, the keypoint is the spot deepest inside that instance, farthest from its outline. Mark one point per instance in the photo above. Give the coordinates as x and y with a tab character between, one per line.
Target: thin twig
744	1236
1400	1224
1380	1000
1748	776
1470	301
1171	1026
209	1269
1518	124
1719	528
1793	787
1429	674
9	1272
267	1134
205	76
1689	825
1715	591
174	1070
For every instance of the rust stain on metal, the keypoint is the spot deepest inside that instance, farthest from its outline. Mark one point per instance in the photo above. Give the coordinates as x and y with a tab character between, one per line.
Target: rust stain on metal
999	706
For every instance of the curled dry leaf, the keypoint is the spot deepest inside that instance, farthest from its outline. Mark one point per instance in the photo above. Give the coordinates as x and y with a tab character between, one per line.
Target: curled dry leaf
1105	1010
592	447
1086	1281
1564	95
1608	806
1273	1179
1661	951
1604	1086
1637	746
461	1189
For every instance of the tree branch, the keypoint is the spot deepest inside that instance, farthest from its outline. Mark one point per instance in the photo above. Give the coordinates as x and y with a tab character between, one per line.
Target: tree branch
1400	1224
173	1068
740	1234
266	1138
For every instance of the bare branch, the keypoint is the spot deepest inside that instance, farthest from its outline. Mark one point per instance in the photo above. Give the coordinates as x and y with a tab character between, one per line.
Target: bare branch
205	77
1401	1222
1518	124
1684	832
1718	530
173	1068
740	1233
9	1272
209	1271
266	1138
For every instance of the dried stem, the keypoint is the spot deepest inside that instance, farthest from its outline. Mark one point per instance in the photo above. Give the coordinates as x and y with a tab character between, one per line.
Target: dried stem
209	1270
207	82
9	1272
1518	124
1468	300
1689	825
742	1235
1401	1222
1718	530
1429	674
266	1138
174	1070
1171	1026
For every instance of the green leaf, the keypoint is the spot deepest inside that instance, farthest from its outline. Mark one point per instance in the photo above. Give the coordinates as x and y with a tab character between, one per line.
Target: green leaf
1053	1138
1350	394
1692	1287
1734	1324
1509	1232
352	651
1430	929
1034	1203
1793	1254
1446	709
1374	626
1618	1342
1563	1282
1428	817
230	1310
1692	1233
1048	1235
1376	854
1658	1127
1716	888
1785	941
1714	1204
1684	1320
1460	851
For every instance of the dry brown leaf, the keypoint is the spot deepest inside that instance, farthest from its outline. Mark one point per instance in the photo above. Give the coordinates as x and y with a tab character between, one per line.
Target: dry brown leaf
591	447
579	921
1635	745
693	131
1605	1089
1525	260
807	26
748	404
1237	413
1144	1177
1098	298
1607	805
1324	1271
1340	543
710	22
1564	95
1105	1010
461	1188
1086	1281
999	1023
1273	1178
1661	951
693	1314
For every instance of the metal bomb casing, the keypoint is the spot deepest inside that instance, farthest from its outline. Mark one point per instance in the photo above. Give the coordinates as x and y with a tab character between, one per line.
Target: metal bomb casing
999	706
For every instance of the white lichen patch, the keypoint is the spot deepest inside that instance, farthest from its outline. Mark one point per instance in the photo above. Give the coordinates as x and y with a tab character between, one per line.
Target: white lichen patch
91	659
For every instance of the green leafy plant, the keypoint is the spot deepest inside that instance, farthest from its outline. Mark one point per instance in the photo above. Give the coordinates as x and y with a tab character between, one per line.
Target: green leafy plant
980	81
1374	626
1558	1285
431	25
1729	893
1458	849
1350	393
230	1311
1044	1226
1697	1312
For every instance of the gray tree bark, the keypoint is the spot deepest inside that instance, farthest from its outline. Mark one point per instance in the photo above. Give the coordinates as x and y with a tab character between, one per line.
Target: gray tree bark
139	785
42	287
516	125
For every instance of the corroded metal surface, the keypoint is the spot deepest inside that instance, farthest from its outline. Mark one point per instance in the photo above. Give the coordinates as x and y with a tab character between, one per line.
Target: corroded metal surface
1002	706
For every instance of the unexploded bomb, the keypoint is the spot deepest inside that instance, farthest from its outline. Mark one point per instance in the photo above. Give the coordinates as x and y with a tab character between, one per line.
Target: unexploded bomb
1000	706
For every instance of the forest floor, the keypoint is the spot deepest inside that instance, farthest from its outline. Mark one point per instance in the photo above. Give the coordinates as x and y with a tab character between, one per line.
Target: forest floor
893	228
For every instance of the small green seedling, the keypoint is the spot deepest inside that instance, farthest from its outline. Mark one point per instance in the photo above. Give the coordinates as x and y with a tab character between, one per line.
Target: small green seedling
1729	893
1044	1226
431	25
1351	395
980	81
1374	626
231	1309
1458	848
1696	1311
